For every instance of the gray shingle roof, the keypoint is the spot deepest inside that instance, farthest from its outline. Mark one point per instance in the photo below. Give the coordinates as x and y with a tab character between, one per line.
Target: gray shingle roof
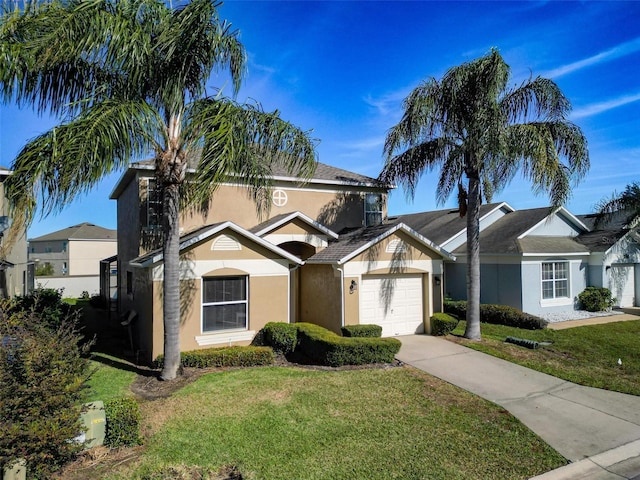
550	245
83	231
601	240
349	243
501	237
323	173
439	225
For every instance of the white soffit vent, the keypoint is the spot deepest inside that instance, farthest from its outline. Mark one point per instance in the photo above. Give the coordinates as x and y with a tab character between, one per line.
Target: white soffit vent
396	246
226	243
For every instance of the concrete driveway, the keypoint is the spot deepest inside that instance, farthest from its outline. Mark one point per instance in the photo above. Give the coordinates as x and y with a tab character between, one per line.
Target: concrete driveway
597	429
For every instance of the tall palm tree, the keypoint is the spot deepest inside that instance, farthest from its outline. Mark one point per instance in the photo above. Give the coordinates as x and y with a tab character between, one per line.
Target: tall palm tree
129	79
480	132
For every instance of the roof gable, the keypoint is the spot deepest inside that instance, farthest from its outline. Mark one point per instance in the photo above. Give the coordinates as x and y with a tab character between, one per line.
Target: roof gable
280	220
442	226
354	243
201	234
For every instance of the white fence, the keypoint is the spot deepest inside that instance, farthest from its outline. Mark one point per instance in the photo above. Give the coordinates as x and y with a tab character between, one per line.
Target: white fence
73	286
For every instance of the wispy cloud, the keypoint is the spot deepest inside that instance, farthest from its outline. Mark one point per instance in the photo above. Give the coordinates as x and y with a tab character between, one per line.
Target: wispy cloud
596	108
618	51
388	103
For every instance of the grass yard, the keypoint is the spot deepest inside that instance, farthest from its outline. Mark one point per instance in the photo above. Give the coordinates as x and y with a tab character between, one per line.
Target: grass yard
110	379
585	355
289	423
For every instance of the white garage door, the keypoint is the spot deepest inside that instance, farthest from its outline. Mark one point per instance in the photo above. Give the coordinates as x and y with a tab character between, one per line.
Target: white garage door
394	302
622	285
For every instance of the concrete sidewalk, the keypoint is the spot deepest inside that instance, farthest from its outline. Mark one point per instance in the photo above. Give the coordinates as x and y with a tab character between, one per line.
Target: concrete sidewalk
596	429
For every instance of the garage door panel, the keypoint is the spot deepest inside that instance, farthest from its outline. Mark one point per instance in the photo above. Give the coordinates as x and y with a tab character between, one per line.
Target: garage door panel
394	305
622	285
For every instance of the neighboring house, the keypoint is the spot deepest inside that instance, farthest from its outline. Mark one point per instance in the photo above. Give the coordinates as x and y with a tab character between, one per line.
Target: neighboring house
323	255
16	274
615	258
74	253
536	260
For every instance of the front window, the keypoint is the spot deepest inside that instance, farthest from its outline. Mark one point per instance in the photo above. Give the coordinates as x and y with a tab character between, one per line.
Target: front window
555	280
373	209
224	303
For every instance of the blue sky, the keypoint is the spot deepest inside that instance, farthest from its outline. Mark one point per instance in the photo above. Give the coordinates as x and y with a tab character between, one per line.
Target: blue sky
342	68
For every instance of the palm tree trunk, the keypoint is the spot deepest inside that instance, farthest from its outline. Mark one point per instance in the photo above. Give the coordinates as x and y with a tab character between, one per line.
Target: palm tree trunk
171	285
473	259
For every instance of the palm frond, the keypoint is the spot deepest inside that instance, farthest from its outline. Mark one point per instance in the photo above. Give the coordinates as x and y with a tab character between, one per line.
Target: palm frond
71	158
243	144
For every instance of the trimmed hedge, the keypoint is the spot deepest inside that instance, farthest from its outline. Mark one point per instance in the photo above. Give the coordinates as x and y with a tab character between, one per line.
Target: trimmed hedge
373	331
498	315
327	348
249	356
123	422
595	299
282	337
442	324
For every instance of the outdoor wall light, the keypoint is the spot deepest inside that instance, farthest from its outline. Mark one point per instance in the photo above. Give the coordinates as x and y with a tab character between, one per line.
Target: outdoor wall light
437	280
353	287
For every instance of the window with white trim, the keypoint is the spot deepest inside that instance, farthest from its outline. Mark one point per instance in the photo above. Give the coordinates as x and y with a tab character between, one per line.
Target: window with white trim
372	209
224	303
555	280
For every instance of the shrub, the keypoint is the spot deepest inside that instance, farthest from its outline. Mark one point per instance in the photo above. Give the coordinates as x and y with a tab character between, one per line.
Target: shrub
595	299
98	301
46	303
84	295
282	337
498	315
362	331
224	357
442	323
123	422
43	371
327	348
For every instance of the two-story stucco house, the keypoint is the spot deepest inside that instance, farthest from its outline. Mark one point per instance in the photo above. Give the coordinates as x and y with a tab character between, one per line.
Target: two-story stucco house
74	255
324	254
16	274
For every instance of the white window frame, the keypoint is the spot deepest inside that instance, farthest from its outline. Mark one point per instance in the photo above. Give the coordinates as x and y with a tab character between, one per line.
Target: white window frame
368	212
204	304
555	300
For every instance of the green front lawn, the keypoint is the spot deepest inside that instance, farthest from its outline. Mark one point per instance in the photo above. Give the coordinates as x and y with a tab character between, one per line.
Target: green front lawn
585	355
288	423
110	379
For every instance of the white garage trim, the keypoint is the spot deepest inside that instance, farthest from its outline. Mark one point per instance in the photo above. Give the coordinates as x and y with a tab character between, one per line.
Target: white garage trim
395	302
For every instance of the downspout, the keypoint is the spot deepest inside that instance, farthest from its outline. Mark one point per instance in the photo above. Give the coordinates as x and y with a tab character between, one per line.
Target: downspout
295	267
341	270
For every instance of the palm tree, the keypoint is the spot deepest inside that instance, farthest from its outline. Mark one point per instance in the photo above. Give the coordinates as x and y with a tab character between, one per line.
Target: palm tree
480	132
129	79
624	206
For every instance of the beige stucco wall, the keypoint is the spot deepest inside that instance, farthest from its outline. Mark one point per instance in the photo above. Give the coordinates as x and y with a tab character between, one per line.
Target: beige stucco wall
334	206
85	255
320	296
417	259
268	292
268	302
